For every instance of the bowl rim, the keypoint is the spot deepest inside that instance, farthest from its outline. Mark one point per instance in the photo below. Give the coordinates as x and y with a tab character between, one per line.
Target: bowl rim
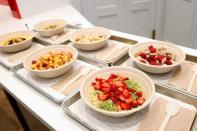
146	103
142	44
72	35
31	35
35	27
45	49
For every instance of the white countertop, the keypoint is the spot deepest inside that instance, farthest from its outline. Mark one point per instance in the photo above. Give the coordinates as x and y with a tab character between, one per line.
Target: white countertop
48	112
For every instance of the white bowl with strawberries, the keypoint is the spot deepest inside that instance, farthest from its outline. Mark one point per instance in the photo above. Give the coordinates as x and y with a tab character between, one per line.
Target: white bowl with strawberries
117	91
157	56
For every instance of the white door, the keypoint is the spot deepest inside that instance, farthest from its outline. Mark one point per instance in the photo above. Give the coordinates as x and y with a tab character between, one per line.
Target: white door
140	16
107	13
178	21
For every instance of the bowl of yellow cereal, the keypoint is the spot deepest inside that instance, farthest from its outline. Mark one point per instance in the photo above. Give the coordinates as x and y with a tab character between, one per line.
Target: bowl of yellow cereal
16	41
90	38
51	61
50	28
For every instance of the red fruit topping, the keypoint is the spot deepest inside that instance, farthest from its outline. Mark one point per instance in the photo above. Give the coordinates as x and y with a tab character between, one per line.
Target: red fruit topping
139	94
105	85
152	50
96	85
143	55
129	100
106	90
103	97
134	103
151	58
168	62
114	99
121	97
168	58
126	93
150	47
159	58
140	100
125	106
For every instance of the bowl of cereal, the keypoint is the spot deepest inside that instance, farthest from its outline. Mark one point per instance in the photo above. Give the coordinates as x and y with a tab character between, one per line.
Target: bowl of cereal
117	91
157	56
50	28
16	41
90	38
51	61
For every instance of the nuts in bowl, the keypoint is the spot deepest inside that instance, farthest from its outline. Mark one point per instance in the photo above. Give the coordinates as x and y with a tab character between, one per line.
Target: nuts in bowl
51	61
117	91
16	41
50	28
157	57
90	38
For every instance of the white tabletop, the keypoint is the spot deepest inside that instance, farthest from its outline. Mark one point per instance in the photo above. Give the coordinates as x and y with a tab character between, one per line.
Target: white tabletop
48	112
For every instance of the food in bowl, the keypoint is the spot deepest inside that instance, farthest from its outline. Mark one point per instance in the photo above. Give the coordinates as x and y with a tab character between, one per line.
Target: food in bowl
116	93
158	56
16	41
89	38
13	40
52	60
50	27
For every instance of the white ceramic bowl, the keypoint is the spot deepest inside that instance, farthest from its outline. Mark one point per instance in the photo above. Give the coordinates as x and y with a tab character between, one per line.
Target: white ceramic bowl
145	82
48	33
180	56
91	30
19	46
52	72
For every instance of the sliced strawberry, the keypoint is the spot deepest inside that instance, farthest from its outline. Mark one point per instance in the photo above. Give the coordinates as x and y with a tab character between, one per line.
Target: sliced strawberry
113	76
109	81
153	50
119	83
134	103
140	100
129	100
143	55
99	79
126	93
103	97
159	58
168	57
149	47
113	87
105	85
106	90
151	58
125	106
139	94
114	99
97	85
121	97
120	89
168	62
